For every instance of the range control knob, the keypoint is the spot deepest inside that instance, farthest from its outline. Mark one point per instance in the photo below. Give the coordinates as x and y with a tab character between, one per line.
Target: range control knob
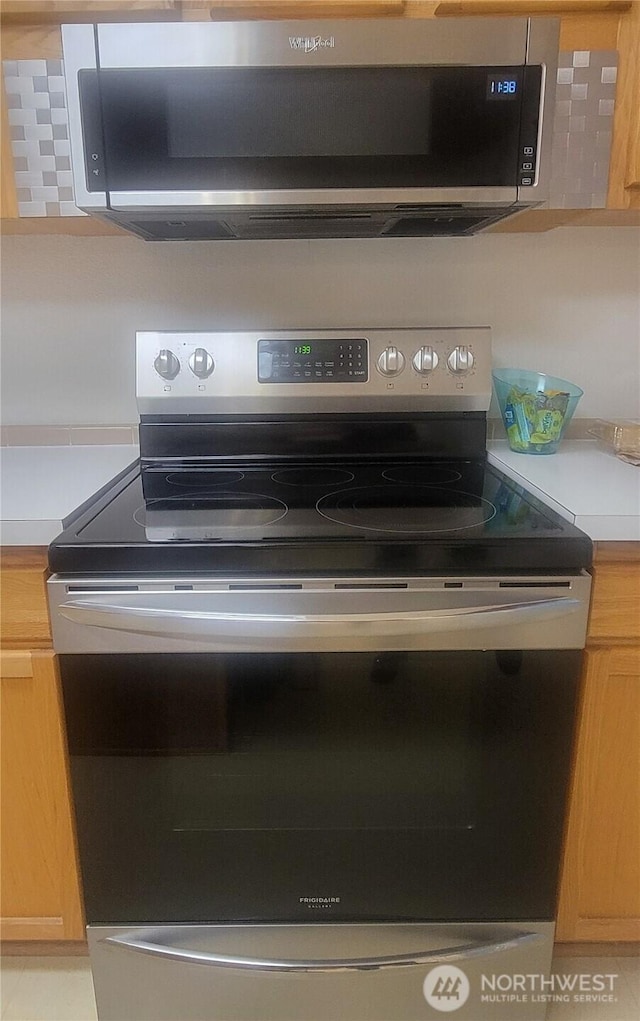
391	361
201	363
166	364
460	360
425	360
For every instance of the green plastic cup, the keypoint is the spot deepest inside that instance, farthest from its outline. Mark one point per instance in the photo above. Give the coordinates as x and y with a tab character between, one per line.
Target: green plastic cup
536	408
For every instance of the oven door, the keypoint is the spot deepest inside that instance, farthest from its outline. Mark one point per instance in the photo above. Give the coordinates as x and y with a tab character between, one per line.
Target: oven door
320	787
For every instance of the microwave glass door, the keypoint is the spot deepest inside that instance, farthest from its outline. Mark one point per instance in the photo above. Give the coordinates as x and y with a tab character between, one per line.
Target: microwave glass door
340	786
257	129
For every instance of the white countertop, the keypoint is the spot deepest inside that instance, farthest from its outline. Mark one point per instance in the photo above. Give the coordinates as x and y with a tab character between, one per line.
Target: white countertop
41	486
585	484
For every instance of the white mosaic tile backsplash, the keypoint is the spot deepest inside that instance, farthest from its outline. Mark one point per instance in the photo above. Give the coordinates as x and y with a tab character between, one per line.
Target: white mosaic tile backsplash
583	129
39	137
582	132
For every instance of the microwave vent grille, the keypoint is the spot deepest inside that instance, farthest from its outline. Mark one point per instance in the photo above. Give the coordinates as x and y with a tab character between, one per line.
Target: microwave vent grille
409	222
181	230
313	225
435	226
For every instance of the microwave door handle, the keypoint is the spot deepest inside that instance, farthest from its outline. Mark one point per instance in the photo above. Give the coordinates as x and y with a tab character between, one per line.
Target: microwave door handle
184	623
446	955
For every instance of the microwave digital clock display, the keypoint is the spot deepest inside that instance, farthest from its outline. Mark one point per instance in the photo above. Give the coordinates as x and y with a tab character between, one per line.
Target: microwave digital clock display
503	86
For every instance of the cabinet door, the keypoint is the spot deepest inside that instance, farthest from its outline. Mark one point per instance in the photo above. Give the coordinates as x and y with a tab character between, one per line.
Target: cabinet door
525	7
83	10
624	189
23	596
600	893
237	10
615	601
40	889
8	195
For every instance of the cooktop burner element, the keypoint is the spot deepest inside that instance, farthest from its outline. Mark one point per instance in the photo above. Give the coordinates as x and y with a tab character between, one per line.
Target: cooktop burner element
193	479
207	516
312	477
419	475
403	510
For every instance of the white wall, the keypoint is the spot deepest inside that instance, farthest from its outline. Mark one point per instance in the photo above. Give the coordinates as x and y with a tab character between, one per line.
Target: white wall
566	302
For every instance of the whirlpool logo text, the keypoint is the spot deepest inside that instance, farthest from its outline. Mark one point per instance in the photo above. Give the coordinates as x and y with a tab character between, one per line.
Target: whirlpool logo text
311	43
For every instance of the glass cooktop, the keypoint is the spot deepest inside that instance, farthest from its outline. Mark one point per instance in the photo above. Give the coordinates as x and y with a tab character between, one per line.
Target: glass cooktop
437	515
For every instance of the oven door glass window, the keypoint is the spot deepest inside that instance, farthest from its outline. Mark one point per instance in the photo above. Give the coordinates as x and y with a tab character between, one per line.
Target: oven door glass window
305	128
332	786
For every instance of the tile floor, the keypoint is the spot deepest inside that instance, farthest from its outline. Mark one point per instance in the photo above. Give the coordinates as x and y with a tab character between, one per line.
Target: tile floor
59	989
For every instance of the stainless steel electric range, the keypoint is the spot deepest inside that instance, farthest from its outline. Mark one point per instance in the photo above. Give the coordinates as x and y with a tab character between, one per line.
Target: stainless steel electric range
319	665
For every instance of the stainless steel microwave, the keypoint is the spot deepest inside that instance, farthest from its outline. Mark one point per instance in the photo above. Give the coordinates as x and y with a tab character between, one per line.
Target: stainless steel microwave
351	128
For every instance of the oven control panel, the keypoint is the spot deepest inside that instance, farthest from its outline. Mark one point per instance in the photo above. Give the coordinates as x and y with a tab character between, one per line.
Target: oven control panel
314	371
313	360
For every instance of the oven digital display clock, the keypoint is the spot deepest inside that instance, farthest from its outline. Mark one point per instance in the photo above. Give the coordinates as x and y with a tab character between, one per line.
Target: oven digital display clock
313	361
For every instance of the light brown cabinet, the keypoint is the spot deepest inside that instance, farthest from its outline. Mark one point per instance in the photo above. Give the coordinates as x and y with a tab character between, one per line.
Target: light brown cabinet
600	890
624	190
232	10
41	11
545	7
39	886
394	8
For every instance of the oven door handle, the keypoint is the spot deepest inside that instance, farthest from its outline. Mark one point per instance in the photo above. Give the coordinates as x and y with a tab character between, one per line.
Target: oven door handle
503	941
164	622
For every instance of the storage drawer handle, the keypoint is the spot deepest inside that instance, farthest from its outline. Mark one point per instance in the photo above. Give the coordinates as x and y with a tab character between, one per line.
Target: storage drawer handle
164	621
446	955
